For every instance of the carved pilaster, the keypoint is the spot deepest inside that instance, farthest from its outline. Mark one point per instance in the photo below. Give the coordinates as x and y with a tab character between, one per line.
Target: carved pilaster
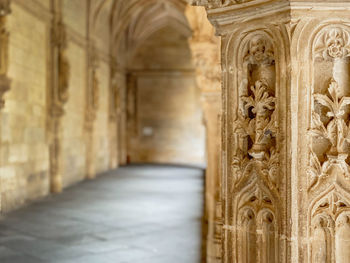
92	105
59	94
286	142
114	109
5	82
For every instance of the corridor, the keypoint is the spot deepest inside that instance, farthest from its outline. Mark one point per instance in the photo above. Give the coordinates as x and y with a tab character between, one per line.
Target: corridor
139	213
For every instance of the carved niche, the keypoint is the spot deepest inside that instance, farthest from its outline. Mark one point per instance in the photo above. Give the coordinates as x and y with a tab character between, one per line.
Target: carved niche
5	82
255	164
329	170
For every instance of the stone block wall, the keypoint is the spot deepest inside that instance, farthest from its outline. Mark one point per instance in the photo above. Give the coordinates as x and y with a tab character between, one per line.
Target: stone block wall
30	152
24	167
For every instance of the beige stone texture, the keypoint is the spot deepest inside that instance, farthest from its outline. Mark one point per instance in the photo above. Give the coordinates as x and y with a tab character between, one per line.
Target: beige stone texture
24	154
101	130
166	107
73	140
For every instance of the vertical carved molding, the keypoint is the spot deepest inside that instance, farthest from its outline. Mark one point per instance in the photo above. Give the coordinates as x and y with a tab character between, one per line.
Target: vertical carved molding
5	82
113	115
131	112
58	96
92	104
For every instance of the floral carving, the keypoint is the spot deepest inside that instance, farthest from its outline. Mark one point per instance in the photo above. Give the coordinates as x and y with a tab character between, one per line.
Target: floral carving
332	125
333	44
258	123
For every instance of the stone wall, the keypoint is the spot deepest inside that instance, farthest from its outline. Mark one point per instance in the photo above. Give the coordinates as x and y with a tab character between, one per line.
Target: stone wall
165	112
24	167
27	125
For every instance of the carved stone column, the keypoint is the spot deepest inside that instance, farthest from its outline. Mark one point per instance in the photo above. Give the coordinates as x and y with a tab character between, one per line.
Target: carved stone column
286	123
92	104
58	96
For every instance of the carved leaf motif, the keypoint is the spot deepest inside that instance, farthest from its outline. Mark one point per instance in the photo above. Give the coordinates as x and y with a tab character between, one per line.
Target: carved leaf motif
314	170
239	165
271	164
336	131
318	129
261	101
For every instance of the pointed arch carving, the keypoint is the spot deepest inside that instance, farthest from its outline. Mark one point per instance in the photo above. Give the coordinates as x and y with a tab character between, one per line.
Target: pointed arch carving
329	226
257	237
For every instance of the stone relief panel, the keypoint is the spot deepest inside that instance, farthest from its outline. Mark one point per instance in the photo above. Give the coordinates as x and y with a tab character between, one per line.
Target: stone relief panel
329	133
255	158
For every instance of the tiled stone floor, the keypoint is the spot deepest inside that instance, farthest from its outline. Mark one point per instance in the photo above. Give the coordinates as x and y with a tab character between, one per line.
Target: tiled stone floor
148	214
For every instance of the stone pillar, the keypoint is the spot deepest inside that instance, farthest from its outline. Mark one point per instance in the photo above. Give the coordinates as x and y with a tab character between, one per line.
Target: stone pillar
92	104
286	90
205	47
5	82
58	95
113	116
211	104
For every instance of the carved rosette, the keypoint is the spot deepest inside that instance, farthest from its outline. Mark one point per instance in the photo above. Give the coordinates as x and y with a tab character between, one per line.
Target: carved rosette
329	170
5	82
255	158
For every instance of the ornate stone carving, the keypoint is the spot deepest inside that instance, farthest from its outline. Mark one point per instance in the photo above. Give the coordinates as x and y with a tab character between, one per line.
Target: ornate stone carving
333	43
255	158
256	125
5	82
329	225
257	239
330	123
